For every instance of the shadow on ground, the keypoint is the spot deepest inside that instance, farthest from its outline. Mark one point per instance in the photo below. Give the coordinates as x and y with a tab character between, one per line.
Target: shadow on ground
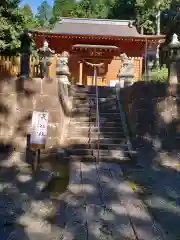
155	120
91	203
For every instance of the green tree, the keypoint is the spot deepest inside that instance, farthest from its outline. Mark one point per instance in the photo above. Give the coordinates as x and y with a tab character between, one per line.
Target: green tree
146	13
90	9
170	19
44	14
122	9
27	11
30	20
62	8
9	4
12	24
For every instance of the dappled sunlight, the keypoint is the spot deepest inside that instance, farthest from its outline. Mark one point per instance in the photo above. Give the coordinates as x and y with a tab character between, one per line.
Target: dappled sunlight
164	205
75	188
24	177
97	202
87	188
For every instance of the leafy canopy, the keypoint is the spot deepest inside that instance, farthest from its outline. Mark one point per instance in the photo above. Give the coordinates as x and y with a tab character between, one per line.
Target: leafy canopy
44	14
12	23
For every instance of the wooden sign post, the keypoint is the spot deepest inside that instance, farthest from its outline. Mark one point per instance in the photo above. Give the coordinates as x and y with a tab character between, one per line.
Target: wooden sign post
38	133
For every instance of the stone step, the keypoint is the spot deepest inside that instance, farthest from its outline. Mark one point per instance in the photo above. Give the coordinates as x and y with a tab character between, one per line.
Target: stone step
92	101
81	158
78	124
82	109
103	116
92	97
106	134
104	124
83	102
105	109
110	153
92	108
101	146
92	89
102	152
93	129
107	100
80	114
82	96
94	135
71	140
103	119
92	104
106	140
72	151
109	146
106	113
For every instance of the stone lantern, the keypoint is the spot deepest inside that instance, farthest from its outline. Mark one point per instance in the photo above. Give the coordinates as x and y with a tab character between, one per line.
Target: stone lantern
151	55
26	49
62	68
45	54
174	49
62	74
150	58
126	72
174	58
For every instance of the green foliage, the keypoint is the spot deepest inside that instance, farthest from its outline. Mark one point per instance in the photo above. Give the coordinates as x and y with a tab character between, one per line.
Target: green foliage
30	21
12	24
90	9
9	4
62	8
160	74
44	14
124	9
170	19
146	13
14	20
143	11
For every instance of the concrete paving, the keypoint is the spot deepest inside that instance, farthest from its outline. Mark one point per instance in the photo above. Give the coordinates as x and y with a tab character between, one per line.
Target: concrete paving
98	204
159	185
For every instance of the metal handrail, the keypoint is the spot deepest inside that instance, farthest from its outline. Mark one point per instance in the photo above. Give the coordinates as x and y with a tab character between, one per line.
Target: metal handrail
123	119
97	109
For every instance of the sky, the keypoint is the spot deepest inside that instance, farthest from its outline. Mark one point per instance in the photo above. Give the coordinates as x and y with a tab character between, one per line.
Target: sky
35	3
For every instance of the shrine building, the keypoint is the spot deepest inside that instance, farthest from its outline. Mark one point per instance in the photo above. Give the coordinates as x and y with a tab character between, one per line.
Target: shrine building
97	41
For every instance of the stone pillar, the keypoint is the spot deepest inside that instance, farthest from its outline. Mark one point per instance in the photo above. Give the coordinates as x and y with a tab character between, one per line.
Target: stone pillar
174	59
126	72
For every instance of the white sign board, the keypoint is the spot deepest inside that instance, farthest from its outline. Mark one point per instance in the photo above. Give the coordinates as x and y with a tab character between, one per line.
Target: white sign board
39	128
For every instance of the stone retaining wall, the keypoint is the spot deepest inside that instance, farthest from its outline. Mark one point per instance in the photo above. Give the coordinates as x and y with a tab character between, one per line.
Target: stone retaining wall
153	111
17	103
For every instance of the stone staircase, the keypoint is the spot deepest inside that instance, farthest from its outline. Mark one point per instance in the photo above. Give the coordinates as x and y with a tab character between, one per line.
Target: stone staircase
82	135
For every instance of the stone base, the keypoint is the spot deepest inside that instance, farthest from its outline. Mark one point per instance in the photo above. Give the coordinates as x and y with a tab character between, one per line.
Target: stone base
64	79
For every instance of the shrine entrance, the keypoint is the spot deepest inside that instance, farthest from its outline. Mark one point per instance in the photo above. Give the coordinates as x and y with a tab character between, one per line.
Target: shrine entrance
92	63
94	72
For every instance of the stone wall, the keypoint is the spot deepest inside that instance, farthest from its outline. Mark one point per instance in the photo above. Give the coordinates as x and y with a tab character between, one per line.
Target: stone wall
17	103
153	111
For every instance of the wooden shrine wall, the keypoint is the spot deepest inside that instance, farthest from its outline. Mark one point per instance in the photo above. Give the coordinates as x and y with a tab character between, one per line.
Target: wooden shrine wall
112	67
11	66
